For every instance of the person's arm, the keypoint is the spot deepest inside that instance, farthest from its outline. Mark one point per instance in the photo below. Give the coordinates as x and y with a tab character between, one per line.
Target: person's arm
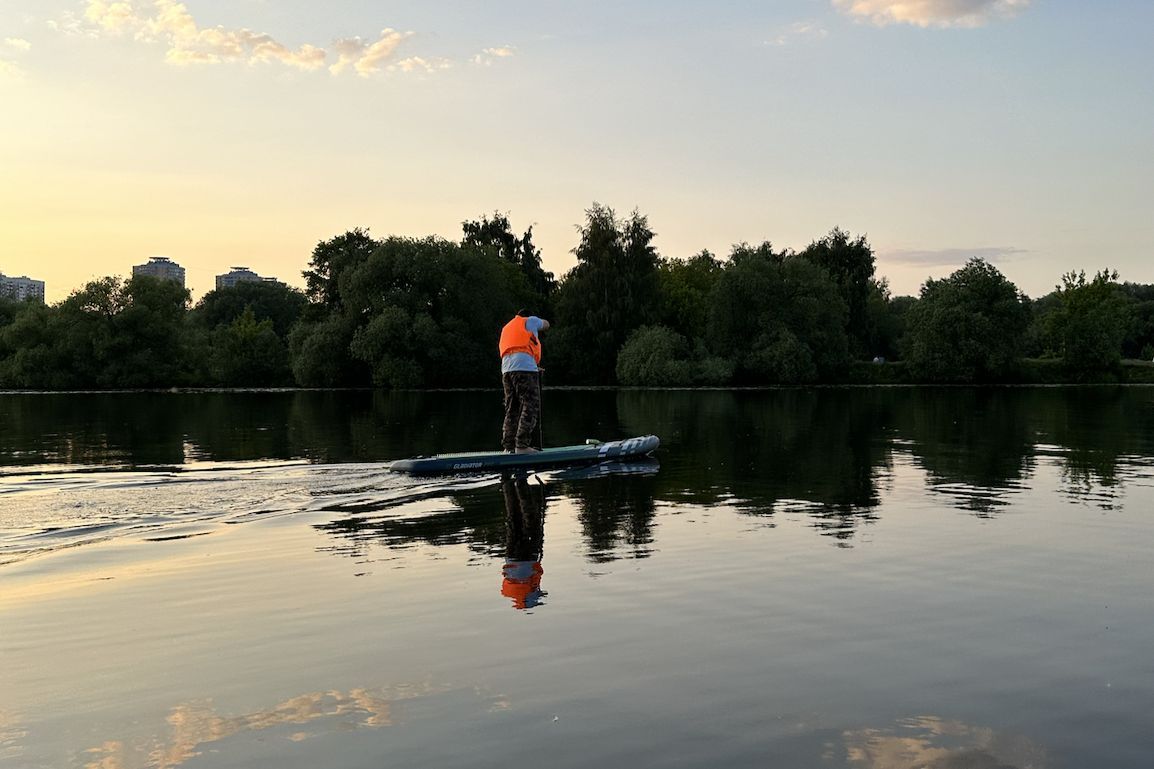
544	325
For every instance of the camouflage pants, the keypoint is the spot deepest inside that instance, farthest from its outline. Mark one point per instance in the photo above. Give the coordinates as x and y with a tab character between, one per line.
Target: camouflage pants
522	409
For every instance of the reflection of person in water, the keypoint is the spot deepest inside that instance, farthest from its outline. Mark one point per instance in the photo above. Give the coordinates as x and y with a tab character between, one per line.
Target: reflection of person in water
525	532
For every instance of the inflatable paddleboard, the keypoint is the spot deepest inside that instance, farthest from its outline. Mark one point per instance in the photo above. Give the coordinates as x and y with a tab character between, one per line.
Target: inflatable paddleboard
589	453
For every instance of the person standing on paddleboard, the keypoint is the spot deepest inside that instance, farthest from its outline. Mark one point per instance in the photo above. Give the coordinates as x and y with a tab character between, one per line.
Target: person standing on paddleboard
520	349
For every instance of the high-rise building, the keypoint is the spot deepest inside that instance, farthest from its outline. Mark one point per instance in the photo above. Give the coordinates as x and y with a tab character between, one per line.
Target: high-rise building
240	275
160	267
21	288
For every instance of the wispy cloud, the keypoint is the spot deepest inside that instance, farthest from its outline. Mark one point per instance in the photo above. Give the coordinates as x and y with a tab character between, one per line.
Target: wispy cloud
489	55
931	13
12	46
946	257
367	58
169	23
801	31
420	64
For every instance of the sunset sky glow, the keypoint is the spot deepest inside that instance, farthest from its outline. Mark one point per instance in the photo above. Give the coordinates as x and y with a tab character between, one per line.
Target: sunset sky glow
242	132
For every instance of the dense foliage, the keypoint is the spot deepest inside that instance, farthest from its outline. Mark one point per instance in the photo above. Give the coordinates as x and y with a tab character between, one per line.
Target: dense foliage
426	312
612	291
967	327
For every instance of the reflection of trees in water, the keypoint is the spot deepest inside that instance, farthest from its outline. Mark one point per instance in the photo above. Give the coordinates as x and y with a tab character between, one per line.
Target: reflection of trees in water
238	426
473	518
91	428
616	514
928	742
976	444
821	450
1099	432
823	453
367	426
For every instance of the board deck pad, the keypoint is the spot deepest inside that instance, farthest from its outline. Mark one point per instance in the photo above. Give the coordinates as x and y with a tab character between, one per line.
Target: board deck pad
480	461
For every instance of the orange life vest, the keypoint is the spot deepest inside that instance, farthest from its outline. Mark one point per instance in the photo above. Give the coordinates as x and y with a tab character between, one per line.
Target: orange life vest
516	337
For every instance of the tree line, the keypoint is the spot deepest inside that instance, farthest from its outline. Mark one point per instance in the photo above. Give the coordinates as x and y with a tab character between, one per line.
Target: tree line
400	312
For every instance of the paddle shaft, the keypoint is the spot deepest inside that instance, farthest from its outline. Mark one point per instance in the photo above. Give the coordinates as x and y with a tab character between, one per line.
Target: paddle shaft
540	410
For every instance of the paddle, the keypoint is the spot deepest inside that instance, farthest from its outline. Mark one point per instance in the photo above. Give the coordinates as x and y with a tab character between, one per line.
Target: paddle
540	409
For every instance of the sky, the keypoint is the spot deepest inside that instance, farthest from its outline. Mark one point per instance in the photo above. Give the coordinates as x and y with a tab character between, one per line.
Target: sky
223	133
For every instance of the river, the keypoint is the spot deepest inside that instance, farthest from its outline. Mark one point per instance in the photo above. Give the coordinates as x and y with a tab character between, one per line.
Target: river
875	578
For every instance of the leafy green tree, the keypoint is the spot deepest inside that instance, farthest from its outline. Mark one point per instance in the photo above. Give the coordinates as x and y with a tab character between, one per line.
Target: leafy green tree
1091	321
149	347
319	351
497	234
612	291
779	318
82	336
320	343
1038	342
685	286
9	309
1139	341
333	258
967	327
268	300
428	312
850	262
887	320
29	358
109	334
249	353
654	356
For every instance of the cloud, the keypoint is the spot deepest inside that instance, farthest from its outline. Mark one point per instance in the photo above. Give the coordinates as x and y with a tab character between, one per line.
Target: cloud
169	23
799	32
418	64
8	68
112	17
367	58
72	25
947	257
931	13
489	55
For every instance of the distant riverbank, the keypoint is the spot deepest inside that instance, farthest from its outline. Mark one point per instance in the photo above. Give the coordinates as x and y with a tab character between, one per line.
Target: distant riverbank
1036	371
863	374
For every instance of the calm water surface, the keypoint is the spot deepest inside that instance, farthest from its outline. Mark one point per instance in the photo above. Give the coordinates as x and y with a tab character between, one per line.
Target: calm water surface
868	578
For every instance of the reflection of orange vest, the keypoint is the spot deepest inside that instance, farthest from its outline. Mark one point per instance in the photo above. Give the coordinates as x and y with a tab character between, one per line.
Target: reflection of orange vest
515	337
522	583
